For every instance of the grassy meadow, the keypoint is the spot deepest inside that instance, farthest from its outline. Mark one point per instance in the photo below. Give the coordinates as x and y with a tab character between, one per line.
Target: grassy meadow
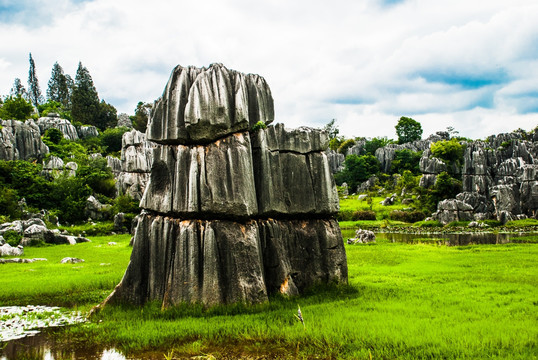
403	301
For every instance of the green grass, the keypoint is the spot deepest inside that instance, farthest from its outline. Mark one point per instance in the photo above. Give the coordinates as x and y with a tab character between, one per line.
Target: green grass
405	301
51	283
353	204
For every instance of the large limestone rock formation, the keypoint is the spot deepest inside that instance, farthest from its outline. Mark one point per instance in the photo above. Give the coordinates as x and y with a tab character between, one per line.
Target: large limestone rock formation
231	214
53	121
21	140
132	170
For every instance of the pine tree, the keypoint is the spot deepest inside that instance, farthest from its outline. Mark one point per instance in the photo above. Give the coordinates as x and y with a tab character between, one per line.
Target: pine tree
58	89
84	99
18	89
34	92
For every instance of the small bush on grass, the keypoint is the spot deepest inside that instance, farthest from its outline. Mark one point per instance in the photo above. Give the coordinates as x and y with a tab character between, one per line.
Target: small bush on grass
521	223
492	223
99	229
429	223
407	216
458	224
350	215
13	238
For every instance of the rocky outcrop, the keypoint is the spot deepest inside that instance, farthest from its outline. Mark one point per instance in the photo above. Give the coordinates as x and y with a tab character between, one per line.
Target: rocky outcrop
54	122
124	121
336	160
453	210
134	165
35	231
231	215
87	131
95	210
200	105
21	140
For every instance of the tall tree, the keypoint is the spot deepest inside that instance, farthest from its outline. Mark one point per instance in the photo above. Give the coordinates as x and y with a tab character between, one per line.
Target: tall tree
141	116
108	116
408	130
84	100
34	92
58	89
18	89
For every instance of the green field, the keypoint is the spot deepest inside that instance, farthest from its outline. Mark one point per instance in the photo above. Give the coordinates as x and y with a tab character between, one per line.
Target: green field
403	301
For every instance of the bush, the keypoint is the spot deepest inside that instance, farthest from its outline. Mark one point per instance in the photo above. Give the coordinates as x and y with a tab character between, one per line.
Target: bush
407	216
111	139
259	126
363	215
428	224
16	108
458	224
99	229
522	223
12	237
406	160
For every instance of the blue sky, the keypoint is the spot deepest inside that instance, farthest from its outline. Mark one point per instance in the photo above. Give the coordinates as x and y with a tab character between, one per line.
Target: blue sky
472	65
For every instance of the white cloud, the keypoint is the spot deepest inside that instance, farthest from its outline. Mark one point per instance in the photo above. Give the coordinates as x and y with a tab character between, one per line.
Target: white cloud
471	65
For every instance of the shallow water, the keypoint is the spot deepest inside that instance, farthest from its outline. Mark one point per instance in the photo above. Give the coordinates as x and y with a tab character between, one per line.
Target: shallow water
441	239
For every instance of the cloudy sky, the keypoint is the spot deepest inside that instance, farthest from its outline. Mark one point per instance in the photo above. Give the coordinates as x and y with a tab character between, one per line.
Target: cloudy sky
469	64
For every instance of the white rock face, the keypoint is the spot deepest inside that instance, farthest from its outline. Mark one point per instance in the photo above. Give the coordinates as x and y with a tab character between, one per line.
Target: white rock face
64	125
21	141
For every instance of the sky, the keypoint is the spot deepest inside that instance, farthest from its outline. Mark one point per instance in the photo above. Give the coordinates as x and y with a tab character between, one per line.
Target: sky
468	64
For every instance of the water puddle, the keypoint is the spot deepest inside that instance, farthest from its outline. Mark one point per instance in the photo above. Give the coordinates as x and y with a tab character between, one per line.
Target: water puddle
448	239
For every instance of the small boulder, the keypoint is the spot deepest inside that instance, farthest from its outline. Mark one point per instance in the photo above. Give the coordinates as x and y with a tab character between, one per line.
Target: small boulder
362	237
70	260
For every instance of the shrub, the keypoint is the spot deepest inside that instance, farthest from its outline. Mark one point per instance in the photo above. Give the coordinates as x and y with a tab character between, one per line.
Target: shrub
427	224
344	146
363	215
88	229
406	160
407	216
12	237
259	126
458	224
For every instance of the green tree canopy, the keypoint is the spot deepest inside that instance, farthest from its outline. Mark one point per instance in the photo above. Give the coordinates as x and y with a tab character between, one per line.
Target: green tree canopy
332	129
58	89
357	169
406	160
16	108
18	89
141	116
408	130
85	100
448	150
34	91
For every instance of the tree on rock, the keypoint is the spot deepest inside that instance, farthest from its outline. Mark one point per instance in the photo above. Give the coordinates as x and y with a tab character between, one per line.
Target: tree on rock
141	116
16	108
34	92
408	130
58	89
18	89
84	100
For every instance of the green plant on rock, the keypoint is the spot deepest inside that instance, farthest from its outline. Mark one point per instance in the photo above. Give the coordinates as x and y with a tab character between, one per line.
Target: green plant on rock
260	125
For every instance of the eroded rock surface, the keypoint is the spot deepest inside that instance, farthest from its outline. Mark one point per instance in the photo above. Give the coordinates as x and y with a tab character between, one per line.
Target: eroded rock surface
230	214
21	140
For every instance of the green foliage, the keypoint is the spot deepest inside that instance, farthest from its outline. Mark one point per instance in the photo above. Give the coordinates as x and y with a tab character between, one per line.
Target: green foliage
332	130
447	187
85	101
18	89
428	224
406	160
12	237
9	203
351	215
357	169
407	216
16	108
458	224
492	223
259	126
54	107
141	116
53	136
126	204
408	130
34	91
450	151
90	229
111	139
98	176
107	116
60	86
522	223
375	143
335	143
345	145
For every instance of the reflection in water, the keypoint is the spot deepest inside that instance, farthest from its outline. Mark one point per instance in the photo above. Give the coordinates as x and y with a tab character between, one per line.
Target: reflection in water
441	239
42	347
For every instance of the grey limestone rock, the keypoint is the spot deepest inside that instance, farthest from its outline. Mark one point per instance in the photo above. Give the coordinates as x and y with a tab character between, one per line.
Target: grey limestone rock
87	131
431	165
362	237
202	105
64	125
124	121
8	250
21	141
450	210
95	210
114	164
336	160
205	235
216	179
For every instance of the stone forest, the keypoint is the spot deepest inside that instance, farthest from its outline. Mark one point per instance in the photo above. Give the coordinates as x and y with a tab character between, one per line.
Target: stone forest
200	229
